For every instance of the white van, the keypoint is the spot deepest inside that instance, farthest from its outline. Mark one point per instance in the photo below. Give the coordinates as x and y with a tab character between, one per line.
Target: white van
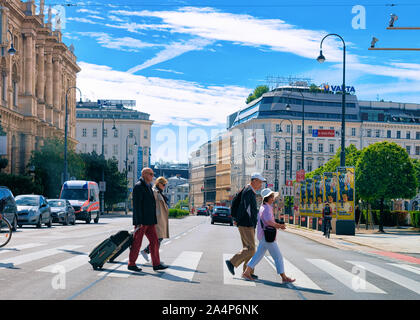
84	197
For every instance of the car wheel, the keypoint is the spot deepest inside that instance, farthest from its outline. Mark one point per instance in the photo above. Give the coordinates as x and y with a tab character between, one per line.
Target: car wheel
96	219
88	218
38	225
212	222
231	224
73	222
66	221
14	224
49	223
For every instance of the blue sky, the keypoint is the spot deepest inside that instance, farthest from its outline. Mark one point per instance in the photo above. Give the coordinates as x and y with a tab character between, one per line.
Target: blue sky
190	64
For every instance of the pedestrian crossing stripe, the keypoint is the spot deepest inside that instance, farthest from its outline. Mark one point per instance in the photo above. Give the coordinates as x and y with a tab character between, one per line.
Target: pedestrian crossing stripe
21	247
349	279
236	279
406	267
67	265
391	276
184	267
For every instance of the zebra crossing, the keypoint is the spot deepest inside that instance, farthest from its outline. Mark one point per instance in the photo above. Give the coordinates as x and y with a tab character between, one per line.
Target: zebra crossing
184	267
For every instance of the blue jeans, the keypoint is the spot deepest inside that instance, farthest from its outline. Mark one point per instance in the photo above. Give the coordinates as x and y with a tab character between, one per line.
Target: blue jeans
274	250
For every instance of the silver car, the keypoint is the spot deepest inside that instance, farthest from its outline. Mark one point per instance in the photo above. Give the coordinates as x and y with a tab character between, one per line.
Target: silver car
62	211
33	209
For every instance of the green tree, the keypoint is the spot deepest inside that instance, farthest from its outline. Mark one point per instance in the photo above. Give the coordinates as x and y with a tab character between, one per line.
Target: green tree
116	182
258	92
182	203
384	171
416	164
20	184
49	166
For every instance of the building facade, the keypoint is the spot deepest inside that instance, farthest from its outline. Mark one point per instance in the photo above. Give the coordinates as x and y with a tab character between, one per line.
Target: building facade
123	128
33	82
266	134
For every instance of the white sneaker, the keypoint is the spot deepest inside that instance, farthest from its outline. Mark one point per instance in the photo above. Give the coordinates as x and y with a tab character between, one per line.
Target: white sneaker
145	255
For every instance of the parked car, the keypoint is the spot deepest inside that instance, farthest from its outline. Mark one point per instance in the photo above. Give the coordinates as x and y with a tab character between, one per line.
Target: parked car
62	211
8	208
202	212
33	209
221	214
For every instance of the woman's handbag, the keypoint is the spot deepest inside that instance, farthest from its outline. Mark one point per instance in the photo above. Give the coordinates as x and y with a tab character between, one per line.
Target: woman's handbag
269	232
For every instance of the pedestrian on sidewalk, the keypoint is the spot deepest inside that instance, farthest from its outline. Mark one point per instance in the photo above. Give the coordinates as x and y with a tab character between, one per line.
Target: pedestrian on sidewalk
162	214
144	220
265	219
357	212
247	222
326	217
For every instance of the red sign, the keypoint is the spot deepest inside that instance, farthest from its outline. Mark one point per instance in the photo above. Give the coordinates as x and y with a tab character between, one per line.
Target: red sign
326	133
300	175
303	219
289	183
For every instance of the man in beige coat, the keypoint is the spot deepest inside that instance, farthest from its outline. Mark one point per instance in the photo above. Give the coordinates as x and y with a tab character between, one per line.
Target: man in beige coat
162	214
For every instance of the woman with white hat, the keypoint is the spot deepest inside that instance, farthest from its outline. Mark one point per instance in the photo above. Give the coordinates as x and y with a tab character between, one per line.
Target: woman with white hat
266	219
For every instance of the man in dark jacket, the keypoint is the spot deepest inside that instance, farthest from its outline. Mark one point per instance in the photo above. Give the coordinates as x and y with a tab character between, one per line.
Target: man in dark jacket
144	220
247	222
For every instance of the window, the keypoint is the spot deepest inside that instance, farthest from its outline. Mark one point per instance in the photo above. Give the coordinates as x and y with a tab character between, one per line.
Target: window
309	166
299	146
84	147
277	145
116	133
418	135
408	149
105	133
84	132
276	165
115	150
95	133
146	134
309	129
331	148
130	150
288	128
353	132
310	147
398	134
388	133
277	128
15	93
408	135
288	146
266	164
321	128
369	132
131	133
95	148
417	150
299	129
299	165
378	133
331	128
105	149
4	87
288	165
320	147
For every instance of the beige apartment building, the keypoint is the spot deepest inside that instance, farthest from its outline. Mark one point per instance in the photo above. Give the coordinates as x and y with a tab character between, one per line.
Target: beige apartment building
33	82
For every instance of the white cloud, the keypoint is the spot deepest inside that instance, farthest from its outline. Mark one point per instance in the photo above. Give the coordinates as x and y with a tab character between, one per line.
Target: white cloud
96	17
88	11
167	101
82	20
170	71
172	51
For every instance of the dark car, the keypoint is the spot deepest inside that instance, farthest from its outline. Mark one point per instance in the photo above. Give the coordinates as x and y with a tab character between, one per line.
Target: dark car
221	214
8	208
202	212
62	211
33	209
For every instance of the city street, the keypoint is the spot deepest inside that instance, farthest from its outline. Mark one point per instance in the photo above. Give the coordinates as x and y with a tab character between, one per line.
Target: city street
52	263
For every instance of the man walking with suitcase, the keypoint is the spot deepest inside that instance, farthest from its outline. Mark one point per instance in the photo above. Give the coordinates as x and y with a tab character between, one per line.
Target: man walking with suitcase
144	220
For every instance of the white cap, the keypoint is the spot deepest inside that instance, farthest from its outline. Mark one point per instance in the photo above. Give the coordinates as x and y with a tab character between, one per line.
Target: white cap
267	192
257	175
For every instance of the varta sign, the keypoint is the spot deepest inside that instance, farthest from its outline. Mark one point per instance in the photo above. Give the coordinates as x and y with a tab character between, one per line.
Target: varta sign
335	89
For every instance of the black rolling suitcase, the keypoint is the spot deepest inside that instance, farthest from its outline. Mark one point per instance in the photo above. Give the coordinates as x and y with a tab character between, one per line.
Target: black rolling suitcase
110	248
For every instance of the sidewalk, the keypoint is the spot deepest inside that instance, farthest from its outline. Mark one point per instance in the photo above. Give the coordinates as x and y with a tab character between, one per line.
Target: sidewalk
399	243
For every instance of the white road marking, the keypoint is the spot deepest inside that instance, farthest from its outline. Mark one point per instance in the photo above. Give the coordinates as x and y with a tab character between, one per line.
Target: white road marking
21	247
38	255
236	279
68	265
391	276
302	280
406	267
183	268
345	277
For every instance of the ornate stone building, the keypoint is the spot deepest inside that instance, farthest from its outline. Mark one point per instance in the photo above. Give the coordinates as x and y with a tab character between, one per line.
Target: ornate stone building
33	81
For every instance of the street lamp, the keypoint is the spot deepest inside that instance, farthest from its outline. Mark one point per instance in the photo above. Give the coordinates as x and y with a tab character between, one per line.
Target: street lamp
126	165
12	50
321	59
65	131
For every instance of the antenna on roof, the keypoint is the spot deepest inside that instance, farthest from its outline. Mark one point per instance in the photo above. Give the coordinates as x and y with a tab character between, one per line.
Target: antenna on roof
277	81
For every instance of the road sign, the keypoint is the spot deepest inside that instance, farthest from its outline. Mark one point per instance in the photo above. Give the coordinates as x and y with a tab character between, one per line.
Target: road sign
323	133
102	186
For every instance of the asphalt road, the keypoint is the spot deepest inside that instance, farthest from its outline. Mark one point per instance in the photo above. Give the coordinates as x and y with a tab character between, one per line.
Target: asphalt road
52	263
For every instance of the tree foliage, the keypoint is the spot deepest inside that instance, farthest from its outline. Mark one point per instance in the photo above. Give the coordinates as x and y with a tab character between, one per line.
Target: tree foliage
258	92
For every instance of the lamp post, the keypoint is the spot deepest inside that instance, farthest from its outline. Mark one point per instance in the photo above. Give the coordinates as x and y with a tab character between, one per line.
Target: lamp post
65	131
11	50
126	166
291	144
321	59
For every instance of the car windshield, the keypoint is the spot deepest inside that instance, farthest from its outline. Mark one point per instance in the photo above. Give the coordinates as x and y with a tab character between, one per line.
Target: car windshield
57	203
27	201
75	194
222	210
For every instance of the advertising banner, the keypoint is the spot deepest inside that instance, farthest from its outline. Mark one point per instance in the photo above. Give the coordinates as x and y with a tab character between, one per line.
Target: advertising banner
318	196
309	197
296	197
345	200
302	201
330	190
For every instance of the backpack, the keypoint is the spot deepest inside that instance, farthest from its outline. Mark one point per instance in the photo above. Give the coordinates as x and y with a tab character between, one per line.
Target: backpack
327	210
236	201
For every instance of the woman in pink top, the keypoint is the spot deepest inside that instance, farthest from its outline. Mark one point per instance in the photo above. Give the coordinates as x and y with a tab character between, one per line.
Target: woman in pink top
266	216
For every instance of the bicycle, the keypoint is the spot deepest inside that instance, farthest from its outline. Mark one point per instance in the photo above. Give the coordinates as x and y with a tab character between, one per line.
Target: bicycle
5	231
328	227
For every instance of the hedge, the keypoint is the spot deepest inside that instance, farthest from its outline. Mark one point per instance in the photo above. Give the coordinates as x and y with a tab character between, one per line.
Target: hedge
178	213
415	218
390	217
